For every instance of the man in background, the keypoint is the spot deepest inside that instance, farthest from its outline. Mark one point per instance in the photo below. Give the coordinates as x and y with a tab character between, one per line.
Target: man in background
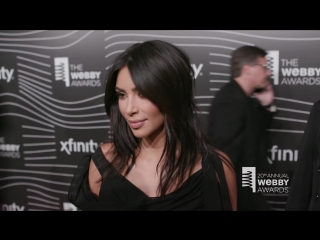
239	116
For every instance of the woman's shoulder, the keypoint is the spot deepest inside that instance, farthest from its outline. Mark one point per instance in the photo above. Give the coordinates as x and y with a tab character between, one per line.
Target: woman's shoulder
224	158
225	173
218	155
106	148
219	161
98	165
102	154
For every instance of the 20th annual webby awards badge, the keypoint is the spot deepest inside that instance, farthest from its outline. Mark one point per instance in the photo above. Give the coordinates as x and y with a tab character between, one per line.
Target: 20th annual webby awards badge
265	182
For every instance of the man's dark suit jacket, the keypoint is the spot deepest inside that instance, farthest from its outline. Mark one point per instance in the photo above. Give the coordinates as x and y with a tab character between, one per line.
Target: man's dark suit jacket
237	125
305	185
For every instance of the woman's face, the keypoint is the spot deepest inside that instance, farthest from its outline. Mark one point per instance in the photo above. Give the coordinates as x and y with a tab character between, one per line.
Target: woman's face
143	116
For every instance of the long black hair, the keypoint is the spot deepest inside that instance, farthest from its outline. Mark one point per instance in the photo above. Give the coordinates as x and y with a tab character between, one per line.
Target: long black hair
163	74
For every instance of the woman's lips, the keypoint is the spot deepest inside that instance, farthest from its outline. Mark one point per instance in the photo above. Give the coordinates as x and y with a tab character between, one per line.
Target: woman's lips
136	124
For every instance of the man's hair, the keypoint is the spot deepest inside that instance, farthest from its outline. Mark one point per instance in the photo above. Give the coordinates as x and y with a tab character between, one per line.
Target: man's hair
245	55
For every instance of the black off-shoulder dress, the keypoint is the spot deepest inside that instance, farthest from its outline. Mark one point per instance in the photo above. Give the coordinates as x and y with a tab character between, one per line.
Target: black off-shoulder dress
200	192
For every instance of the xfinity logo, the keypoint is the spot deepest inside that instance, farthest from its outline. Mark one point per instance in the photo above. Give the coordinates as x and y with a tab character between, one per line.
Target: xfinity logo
83	147
11	207
197	70
277	154
6	74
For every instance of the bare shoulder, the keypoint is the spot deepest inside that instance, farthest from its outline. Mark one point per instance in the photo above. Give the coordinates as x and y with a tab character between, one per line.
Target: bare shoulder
106	147
230	175
94	177
226	161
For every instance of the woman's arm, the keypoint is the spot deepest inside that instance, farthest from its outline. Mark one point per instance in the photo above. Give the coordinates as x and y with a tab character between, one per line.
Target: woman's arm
230	178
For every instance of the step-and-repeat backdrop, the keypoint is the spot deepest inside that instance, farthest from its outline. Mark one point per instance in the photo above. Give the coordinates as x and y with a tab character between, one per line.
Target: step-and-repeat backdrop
52	111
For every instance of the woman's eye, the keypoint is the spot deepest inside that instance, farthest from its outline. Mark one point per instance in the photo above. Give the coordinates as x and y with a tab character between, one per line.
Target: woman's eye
140	95
120	95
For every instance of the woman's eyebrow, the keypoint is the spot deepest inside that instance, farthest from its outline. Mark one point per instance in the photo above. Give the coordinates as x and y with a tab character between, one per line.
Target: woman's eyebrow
120	89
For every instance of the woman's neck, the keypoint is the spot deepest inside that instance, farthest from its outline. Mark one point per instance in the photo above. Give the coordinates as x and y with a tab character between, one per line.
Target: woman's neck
154	142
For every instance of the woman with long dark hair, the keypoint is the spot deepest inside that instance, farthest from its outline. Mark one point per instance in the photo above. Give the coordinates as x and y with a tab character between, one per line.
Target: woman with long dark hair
158	158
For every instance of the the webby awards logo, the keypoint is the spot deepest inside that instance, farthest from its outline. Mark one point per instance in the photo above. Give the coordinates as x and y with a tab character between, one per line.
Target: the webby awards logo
293	71
61	69
74	75
273	65
265	182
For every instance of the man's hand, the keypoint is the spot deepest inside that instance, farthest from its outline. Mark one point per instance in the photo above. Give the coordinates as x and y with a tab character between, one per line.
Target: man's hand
265	97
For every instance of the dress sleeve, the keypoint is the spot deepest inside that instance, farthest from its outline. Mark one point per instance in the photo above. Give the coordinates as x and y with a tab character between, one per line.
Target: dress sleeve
216	190
79	193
